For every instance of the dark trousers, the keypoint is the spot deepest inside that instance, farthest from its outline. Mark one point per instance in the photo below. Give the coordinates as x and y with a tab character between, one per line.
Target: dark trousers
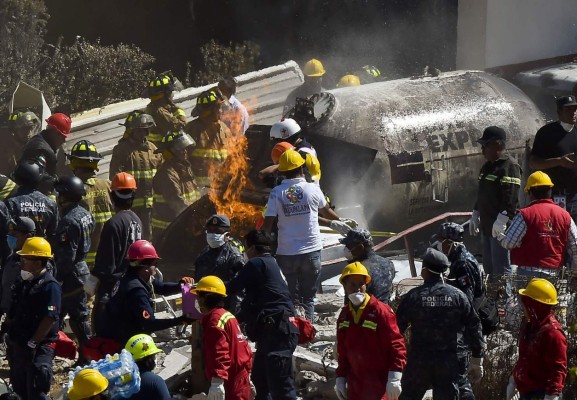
30	370
439	371
272	368
465	389
74	304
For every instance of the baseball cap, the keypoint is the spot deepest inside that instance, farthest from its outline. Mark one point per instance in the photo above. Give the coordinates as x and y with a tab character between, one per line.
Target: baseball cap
219	220
566	101
435	261
492	133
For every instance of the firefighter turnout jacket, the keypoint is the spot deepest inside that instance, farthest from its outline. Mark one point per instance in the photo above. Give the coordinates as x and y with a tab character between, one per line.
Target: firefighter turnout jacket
167	117
7	187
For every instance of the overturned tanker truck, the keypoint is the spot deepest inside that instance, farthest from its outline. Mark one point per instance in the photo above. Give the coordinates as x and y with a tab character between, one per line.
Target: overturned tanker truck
393	153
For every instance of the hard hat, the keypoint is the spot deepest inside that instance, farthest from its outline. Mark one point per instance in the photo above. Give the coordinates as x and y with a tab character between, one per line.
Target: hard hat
139	120
87	383
538	178
141	346
314	68
123	181
372	71
85	150
314	167
61	122
175	142
70	187
355	268
142	250
284	129
451	231
19	119
162	83
289	160
349	80
36	247
211	284
540	290
278	149
208	98
27	173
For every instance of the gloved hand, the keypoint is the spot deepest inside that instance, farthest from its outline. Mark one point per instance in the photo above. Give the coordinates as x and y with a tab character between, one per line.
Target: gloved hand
350	222
186	279
511	388
475	369
341	388
394	385
500	224
340	226
216	391
474	223
252	391
91	285
551	397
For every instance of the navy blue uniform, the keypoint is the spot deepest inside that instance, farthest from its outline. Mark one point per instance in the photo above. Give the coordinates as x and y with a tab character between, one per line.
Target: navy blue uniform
31	370
382	272
152	387
440	316
73	243
266	310
38	207
130	310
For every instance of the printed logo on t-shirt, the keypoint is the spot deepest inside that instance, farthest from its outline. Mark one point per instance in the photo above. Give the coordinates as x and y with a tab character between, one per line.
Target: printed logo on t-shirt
294	195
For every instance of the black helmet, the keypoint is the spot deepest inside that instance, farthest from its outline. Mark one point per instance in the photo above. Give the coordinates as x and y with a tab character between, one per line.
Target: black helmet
162	83
28	173
85	150
70	187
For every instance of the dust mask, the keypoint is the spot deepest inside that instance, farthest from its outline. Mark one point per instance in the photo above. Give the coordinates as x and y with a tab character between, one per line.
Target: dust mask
26	276
347	253
357	298
216	240
12	242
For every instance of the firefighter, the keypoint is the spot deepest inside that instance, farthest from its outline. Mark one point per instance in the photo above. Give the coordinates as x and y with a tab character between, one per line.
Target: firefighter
223	257
89	384
118	233
227	355
168	117
23	125
439	316
72	245
130	310
174	185
210	134
266	312
29	202
144	351
46	145
136	155
359	247
349	80
541	368
368	74
32	322
367	330
313	72
7	187
84	160
234	113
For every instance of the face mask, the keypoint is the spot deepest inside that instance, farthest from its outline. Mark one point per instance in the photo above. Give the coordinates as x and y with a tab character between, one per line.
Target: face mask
11	240
357	298
27	276
347	253
566	126
215	240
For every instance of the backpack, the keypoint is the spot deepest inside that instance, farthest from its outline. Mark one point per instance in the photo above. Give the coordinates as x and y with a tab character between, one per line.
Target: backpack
488	313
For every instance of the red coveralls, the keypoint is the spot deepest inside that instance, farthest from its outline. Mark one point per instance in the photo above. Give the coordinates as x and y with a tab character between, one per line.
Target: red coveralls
542	364
369	345
227	354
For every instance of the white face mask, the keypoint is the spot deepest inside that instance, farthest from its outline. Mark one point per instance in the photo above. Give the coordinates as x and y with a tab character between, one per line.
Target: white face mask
215	240
27	276
566	126
347	253
357	298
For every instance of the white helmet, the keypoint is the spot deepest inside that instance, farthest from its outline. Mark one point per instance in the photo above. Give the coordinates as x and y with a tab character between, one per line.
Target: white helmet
284	129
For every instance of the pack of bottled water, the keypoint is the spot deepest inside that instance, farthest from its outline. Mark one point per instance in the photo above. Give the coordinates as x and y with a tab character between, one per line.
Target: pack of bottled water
120	370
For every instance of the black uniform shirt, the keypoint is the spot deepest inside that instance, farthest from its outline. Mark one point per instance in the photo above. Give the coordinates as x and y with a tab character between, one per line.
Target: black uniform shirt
38	207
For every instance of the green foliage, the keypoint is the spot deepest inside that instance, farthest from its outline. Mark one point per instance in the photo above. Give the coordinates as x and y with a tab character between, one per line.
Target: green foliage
220	60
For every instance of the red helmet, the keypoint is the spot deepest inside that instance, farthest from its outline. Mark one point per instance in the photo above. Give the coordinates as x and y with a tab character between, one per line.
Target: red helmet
60	122
142	250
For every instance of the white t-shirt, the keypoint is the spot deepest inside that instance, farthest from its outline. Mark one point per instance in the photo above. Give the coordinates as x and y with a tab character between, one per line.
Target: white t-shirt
296	203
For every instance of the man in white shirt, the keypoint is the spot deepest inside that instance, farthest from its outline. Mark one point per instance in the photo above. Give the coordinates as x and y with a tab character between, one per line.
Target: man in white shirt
234	114
300	207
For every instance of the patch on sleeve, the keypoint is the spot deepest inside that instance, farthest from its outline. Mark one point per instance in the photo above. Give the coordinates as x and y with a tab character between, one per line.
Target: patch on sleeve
51	308
145	314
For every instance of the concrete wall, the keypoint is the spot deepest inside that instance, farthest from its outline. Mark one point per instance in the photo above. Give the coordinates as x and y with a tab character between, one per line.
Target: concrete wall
493	33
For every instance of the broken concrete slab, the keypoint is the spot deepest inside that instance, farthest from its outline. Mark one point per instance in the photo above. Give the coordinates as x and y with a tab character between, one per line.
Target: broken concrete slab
306	360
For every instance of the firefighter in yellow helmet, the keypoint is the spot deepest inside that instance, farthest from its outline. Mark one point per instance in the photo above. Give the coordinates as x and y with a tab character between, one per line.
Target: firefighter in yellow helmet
84	159
167	116
136	155
174	185
210	134
22	125
313	72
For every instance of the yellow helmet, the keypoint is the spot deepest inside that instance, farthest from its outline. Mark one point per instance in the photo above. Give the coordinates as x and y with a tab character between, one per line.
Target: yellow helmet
349	80
540	290
141	346
355	268
289	160
538	178
314	167
36	247
314	68
211	284
87	383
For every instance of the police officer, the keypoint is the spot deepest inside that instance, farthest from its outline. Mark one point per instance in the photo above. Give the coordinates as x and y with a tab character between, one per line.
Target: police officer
29	202
84	158
70	250
33	322
266	310
130	310
22	126
222	257
439	316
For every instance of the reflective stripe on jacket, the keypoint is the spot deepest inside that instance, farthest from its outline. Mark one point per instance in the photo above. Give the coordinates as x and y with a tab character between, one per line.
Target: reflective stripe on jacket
167	117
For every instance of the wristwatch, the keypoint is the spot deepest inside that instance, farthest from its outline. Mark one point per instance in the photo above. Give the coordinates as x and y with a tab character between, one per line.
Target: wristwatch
32	344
